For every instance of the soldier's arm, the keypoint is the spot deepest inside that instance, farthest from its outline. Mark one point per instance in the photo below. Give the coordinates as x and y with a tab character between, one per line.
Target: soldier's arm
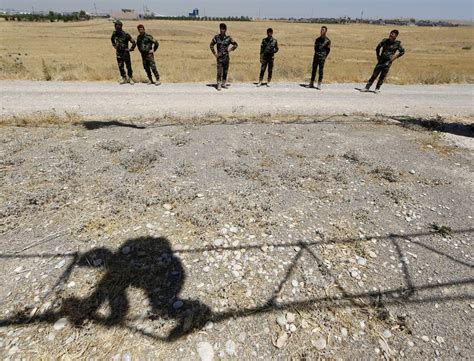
134	43
401	52
156	45
234	44
212	46
276	47
262	48
112	39
328	47
377	49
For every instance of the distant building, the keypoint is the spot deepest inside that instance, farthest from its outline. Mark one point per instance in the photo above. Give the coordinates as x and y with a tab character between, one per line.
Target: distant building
125	14
194	14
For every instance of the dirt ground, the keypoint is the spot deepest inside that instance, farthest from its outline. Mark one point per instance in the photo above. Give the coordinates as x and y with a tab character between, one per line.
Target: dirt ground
347	238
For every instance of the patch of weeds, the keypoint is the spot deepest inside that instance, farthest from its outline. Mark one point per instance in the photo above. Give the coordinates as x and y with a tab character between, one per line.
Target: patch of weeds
46	71
387	173
41	119
444	231
140	160
111	145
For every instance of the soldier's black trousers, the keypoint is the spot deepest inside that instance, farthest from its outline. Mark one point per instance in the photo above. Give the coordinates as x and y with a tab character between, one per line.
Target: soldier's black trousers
150	66
318	63
123	59
267	62
222	70
380	71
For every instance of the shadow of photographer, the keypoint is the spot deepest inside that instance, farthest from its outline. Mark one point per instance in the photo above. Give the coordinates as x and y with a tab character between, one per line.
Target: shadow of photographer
147	264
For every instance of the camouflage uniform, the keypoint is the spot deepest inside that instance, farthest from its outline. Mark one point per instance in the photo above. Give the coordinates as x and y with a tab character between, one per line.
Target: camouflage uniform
382	68
223	58
120	40
322	48
147	46
268	49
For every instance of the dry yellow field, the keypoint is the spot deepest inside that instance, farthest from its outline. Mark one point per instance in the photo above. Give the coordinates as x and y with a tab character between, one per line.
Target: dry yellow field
82	51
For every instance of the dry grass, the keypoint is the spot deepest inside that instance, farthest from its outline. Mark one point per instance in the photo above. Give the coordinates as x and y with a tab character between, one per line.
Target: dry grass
42	119
82	51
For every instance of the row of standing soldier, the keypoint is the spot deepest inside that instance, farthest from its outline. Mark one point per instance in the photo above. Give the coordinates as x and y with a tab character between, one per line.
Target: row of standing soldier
387	51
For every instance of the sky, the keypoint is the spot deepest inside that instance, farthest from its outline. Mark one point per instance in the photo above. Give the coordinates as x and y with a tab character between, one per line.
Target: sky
420	9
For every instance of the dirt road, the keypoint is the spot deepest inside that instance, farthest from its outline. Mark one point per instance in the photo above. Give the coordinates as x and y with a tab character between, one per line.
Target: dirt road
108	100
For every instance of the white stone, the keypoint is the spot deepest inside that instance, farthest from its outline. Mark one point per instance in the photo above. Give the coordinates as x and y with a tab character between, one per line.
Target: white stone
320	344
387	334
205	351
281	320
168	206
218	242
282	340
290	317
60	324
355	274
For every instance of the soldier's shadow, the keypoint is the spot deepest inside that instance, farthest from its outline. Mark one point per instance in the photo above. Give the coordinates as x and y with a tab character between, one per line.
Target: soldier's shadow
144	263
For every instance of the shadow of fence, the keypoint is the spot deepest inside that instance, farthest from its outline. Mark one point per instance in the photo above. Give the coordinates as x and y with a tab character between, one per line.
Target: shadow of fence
151	265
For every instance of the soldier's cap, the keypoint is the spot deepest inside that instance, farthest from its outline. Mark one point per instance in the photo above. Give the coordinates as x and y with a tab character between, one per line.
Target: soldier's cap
140	26
117	22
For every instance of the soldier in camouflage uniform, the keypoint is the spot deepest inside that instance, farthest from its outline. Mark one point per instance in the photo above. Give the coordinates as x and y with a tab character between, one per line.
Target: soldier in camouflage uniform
222	42
268	49
322	48
120	40
391	50
147	47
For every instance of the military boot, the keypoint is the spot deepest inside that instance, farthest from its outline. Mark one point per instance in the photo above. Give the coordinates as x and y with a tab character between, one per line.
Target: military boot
130	81
123	81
